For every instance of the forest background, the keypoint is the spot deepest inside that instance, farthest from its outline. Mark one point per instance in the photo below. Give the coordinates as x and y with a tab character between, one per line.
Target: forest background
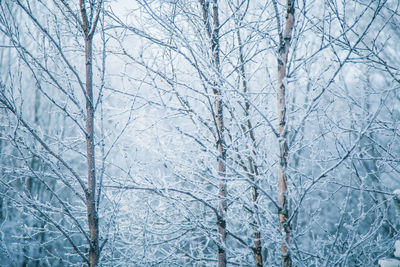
199	133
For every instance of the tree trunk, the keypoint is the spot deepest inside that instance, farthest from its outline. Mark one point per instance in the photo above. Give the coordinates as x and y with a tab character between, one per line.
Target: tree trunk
219	119
283	147
91	195
93	219
253	170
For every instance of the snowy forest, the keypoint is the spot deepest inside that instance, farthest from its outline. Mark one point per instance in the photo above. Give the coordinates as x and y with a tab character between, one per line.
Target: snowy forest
200	133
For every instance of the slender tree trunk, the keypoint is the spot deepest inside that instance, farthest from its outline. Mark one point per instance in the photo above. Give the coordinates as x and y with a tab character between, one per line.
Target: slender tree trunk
213	34
282	176
252	166
91	195
222	207
93	219
219	118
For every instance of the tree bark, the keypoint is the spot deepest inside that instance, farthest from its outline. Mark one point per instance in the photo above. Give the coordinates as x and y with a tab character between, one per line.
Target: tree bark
91	195
213	34
283	147
219	119
253	170
93	219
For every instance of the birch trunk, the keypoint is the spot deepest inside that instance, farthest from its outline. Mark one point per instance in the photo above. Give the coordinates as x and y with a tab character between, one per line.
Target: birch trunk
283	147
91	194
93	219
253	170
219	119
213	34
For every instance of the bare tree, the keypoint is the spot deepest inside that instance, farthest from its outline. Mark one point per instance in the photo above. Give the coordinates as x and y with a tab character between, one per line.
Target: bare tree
285	37
89	28
40	67
213	34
